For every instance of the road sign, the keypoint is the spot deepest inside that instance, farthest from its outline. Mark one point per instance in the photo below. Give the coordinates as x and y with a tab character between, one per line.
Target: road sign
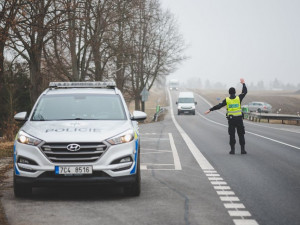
145	94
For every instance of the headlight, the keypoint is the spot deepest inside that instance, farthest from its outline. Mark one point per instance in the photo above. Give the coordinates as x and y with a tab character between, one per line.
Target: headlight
125	137
27	139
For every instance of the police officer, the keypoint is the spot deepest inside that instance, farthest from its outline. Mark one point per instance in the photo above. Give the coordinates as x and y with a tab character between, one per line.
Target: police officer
234	116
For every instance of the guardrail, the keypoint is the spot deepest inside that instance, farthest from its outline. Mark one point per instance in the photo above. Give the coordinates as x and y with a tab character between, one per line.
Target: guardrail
254	116
159	111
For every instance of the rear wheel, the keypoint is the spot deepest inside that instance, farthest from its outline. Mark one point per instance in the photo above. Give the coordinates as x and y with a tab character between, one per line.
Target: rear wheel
135	188
22	190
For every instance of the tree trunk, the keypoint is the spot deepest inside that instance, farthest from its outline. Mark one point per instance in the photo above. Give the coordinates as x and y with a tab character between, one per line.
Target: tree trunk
36	80
137	102
1	65
143	106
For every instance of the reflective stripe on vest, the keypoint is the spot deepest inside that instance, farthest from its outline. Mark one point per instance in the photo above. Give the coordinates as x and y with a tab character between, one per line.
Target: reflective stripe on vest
234	106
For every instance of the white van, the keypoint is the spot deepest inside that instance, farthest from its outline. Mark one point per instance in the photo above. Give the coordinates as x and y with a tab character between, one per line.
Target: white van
186	103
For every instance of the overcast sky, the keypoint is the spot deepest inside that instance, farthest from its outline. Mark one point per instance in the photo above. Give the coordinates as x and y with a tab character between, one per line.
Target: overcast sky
229	39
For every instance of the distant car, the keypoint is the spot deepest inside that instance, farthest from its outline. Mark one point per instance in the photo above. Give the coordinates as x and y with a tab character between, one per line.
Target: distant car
186	103
174	85
259	107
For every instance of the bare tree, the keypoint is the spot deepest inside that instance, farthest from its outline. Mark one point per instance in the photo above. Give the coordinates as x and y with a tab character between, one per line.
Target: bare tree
8	11
157	47
101	20
30	33
68	52
133	42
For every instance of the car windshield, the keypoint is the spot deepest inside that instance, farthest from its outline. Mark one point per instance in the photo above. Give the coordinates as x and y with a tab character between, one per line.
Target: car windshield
185	100
79	107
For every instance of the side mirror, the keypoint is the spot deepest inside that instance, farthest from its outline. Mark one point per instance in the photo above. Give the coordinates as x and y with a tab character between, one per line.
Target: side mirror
138	115
176	103
195	103
22	116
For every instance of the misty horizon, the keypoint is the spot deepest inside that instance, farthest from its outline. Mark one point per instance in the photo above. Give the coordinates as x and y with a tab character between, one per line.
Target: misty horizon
227	40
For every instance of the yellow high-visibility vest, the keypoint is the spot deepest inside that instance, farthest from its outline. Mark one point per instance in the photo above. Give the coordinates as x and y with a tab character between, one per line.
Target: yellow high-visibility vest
234	106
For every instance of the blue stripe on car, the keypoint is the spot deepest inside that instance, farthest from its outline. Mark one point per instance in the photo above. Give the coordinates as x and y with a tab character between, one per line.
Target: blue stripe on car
133	171
15	161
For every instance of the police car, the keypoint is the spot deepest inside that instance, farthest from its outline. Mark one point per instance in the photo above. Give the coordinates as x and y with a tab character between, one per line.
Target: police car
78	133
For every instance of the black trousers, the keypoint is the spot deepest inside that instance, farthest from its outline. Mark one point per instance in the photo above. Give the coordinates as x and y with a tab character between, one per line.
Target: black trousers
236	123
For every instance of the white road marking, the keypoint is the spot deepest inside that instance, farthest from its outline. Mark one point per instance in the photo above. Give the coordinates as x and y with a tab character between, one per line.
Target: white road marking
154	139
218	183
175	153
209	170
151	149
143	167
201	160
212	175
156	152
215	178
225	193
238	213
234	206
275	128
157	164
229	199
245	222
161	169
147	151
221	187
280	142
258	135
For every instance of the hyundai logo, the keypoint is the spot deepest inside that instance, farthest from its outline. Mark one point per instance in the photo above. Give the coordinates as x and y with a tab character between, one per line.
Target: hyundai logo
73	147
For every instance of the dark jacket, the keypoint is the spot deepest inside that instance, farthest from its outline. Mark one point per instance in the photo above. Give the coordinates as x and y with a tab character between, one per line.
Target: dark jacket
223	103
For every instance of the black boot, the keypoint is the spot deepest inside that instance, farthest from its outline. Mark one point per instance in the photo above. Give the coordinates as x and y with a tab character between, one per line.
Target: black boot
243	149
232	150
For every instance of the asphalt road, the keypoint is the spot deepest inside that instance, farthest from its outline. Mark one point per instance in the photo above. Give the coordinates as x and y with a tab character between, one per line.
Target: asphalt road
188	177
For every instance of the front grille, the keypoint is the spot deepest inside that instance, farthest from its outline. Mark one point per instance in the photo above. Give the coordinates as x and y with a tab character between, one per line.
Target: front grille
58	152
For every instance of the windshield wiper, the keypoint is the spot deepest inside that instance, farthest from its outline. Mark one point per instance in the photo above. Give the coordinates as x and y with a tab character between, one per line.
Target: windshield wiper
38	117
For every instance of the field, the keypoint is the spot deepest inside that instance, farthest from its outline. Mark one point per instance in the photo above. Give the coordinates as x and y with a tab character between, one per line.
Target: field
287	101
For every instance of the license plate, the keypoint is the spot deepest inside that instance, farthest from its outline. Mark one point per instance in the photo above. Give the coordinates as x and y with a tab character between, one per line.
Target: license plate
73	170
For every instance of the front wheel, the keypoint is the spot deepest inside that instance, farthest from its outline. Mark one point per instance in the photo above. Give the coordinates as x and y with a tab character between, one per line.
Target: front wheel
22	190
134	189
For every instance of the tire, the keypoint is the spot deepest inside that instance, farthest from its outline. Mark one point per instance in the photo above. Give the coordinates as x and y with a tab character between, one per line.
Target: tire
22	190
178	112
134	189
194	113
259	110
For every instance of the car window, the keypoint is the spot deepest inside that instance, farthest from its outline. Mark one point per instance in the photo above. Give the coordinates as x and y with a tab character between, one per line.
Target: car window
79	107
185	100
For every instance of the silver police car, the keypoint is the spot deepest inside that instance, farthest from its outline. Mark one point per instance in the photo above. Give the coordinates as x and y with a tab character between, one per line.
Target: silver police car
78	133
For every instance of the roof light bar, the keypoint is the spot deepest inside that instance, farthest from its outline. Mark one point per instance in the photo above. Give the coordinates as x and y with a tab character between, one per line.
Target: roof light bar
82	84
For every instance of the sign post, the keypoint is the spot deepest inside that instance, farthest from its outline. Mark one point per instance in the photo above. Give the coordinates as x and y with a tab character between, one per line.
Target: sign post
145	95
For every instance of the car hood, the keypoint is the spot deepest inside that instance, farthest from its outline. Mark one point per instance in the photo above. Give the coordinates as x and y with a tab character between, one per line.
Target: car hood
75	131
